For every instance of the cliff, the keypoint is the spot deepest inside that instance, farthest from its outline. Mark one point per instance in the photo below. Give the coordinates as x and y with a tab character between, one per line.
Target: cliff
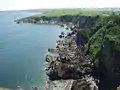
89	55
78	20
104	51
100	41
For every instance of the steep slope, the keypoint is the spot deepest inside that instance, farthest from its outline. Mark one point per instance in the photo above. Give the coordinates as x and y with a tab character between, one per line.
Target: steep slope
104	51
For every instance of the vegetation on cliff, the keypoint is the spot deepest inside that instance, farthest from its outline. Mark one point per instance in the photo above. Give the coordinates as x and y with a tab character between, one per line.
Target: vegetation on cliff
104	51
106	31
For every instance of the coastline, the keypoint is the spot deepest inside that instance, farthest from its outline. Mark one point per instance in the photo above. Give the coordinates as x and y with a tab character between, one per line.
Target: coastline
73	62
66	82
57	84
70	65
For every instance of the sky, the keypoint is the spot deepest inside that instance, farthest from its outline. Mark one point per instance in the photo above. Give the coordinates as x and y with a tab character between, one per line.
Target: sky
37	4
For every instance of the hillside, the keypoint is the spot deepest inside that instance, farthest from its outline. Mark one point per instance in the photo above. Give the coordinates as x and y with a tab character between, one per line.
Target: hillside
104	51
62	12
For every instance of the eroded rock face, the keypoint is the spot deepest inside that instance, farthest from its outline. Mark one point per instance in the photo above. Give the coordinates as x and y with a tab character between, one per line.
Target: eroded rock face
80	85
109	69
58	70
62	70
86	83
78	20
70	64
81	39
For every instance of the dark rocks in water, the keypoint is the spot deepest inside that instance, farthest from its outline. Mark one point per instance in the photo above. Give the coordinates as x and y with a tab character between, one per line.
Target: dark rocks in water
18	22
49	50
62	33
57	46
60	36
35	88
47	58
62	25
35	22
66	28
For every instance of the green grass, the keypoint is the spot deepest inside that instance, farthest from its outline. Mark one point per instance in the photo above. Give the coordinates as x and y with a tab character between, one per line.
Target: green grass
93	13
62	12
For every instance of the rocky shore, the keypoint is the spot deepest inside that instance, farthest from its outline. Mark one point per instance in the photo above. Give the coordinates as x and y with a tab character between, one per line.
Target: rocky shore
70	66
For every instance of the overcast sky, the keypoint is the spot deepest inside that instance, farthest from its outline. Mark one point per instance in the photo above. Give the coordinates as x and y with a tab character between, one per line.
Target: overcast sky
34	4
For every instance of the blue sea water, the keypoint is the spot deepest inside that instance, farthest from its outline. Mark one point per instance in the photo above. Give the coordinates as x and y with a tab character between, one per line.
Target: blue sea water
22	50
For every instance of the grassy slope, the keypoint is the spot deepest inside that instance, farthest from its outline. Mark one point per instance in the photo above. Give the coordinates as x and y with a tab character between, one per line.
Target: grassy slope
61	12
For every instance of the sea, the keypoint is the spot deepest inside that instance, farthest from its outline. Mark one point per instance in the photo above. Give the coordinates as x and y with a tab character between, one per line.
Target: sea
23	48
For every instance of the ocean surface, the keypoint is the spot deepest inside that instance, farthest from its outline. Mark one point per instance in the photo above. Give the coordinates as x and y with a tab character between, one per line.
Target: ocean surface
22	50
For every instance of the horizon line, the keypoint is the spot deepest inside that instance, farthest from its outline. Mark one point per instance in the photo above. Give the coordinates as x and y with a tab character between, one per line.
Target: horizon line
61	8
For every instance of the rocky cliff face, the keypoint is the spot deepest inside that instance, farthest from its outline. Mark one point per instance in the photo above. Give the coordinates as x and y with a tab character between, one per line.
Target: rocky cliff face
109	66
78	20
71	62
104	51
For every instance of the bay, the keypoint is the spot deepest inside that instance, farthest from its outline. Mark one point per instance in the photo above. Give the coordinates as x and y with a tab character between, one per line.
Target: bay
22	50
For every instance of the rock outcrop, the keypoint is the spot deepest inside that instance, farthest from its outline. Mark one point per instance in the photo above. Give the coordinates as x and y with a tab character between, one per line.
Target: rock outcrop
71	64
86	83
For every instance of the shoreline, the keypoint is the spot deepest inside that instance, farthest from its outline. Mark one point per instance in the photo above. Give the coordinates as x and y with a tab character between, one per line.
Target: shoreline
71	63
62	83
57	84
